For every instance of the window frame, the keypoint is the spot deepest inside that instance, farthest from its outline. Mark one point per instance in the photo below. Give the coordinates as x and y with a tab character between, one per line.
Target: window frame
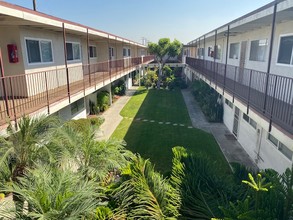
40	50
265	53
249	120
127	52
76	106
73	42
279	44
277	145
237	57
93	46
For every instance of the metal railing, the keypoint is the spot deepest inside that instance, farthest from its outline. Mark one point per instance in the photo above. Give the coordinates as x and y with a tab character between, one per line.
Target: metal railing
268	94
27	93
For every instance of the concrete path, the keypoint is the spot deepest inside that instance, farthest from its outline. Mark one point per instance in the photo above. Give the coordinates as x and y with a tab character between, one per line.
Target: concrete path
230	147
112	115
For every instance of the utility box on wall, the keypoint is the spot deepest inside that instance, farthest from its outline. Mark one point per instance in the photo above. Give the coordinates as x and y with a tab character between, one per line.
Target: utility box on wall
12	53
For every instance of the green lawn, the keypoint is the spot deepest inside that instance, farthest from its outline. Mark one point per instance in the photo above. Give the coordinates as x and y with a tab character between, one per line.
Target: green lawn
154	140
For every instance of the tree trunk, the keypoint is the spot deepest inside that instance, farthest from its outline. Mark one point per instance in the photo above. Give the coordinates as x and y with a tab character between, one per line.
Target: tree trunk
160	76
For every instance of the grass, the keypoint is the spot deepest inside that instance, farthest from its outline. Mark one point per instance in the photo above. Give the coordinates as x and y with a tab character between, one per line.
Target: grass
155	141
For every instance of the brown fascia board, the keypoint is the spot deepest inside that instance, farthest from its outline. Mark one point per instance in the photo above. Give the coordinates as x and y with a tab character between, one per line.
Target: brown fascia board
27	10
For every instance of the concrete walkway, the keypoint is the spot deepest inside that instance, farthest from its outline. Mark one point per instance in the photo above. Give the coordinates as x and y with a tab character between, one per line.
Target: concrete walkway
112	115
230	147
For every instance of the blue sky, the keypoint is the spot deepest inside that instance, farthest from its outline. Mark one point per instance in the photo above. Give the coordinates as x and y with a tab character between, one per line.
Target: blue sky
184	20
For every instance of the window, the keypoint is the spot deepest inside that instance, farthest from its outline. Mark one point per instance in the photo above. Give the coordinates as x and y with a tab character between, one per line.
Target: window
126	52
230	104
39	51
77	106
234	51
93	51
285	55
249	120
73	51
280	146
258	50
200	52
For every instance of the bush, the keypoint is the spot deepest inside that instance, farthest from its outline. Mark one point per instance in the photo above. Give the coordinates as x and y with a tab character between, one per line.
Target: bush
119	88
208	101
103	100
83	123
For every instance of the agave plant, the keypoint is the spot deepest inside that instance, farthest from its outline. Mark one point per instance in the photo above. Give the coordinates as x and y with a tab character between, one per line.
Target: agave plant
51	193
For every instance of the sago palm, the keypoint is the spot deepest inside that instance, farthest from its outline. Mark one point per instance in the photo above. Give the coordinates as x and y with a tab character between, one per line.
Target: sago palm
146	194
23	147
94	158
52	194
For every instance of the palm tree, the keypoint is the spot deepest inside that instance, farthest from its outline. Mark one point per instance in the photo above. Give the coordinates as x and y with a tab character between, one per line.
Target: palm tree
52	194
27	145
144	193
95	159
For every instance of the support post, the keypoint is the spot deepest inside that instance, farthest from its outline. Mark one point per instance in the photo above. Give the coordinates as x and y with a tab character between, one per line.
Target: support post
4	84
270	55
215	56
65	61
88	54
226	60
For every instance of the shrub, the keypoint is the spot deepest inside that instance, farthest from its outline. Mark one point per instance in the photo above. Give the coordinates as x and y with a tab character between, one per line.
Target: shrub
103	100
208	101
119	88
83	123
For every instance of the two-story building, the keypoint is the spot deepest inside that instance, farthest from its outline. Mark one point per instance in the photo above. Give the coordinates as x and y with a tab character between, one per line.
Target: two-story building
249	62
50	65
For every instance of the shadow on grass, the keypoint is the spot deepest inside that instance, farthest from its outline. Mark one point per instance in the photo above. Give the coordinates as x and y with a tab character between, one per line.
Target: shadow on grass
161	123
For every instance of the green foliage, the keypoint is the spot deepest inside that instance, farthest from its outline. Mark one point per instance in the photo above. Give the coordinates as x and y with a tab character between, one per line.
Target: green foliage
150	79
103	213
52	193
145	194
27	145
103	100
119	88
165	49
208	101
83	124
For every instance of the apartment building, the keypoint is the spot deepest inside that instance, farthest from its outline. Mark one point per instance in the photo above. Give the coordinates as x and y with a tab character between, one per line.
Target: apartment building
54	66
249	62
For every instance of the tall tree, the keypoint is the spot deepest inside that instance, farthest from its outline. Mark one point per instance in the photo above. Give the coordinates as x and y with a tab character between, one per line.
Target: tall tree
163	50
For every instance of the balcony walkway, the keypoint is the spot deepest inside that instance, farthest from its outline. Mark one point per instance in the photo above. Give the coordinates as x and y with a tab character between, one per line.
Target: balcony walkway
271	96
30	93
230	147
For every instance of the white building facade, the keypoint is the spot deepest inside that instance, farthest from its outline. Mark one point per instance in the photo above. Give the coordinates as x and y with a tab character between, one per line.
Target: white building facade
249	62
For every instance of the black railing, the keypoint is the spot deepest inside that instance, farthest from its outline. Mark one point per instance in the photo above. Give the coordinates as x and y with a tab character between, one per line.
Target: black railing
268	94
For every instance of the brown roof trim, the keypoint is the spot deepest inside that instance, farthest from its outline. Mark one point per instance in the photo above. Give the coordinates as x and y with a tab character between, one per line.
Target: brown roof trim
23	9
